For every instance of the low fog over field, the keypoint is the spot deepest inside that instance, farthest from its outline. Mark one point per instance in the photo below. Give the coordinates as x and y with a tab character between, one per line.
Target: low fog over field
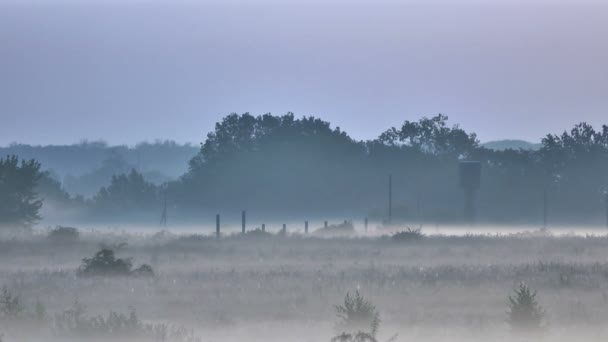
303	171
262	287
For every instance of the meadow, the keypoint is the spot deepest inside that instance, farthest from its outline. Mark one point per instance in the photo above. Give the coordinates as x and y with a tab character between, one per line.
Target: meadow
284	287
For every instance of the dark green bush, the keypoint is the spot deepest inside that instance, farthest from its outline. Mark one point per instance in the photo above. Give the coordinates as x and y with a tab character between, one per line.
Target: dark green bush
105	263
64	234
408	235
525	314
358	317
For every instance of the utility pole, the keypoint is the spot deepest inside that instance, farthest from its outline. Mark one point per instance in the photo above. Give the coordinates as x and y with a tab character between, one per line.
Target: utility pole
470	181
390	199
545	207
217	226
163	216
243	221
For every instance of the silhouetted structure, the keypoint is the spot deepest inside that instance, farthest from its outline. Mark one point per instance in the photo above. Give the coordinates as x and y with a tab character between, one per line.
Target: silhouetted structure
390	199
163	216
243	221
470	181
217	226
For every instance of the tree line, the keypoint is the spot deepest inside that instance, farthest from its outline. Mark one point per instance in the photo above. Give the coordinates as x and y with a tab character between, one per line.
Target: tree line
290	166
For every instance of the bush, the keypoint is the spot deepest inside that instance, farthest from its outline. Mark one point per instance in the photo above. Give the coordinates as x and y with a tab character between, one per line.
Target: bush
104	263
144	270
75	323
64	234
358	337
10	304
258	233
342	229
525	314
408	235
358	316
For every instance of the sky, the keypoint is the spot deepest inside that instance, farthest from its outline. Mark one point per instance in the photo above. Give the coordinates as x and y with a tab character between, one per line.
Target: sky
131	71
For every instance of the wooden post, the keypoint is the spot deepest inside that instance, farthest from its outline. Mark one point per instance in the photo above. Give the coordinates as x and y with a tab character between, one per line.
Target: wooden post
325	224
263	227
365	224
284	228
243	218
305	227
217	226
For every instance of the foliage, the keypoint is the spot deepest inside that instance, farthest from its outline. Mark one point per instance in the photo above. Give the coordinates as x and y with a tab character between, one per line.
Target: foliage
125	193
410	234
10	304
342	229
19	203
357	315
104	263
64	234
432	136
525	314
356	337
75	323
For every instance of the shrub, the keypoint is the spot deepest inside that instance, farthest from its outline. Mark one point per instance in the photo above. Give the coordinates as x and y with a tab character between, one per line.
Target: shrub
104	263
525	314
10	304
257	233
75	323
144	270
358	316
408	235
64	234
342	229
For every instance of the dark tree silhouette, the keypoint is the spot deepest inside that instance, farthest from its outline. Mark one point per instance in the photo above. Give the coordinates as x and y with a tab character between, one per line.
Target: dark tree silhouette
19	202
125	193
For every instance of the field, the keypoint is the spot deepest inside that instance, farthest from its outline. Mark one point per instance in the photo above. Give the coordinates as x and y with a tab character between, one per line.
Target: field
262	287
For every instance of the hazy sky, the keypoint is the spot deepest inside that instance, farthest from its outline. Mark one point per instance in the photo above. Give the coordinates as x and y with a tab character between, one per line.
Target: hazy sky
139	71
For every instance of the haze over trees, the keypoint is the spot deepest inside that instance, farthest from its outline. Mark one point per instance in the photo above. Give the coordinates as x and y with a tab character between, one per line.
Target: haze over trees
303	167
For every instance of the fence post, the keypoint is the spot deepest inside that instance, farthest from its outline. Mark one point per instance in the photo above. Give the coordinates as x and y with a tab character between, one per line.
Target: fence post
365	224
217	226
243	218
284	228
305	227
263	227
325	224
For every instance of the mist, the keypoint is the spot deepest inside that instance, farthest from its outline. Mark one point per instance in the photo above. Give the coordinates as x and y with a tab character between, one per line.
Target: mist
340	171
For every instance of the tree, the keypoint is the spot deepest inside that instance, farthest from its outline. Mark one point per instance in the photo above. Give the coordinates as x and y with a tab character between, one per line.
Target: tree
433	136
127	192
19	202
358	315
525	314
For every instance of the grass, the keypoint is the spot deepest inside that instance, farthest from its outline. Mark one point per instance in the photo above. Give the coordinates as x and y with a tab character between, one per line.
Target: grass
277	289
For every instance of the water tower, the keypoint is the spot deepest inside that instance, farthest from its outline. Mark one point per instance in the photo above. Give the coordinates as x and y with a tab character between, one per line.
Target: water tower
470	180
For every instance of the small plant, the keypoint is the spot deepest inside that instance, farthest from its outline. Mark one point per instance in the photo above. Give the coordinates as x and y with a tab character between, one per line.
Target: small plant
257	233
75	323
39	311
10	304
105	263
64	234
525	314
342	229
358	337
359	317
144	270
408	235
